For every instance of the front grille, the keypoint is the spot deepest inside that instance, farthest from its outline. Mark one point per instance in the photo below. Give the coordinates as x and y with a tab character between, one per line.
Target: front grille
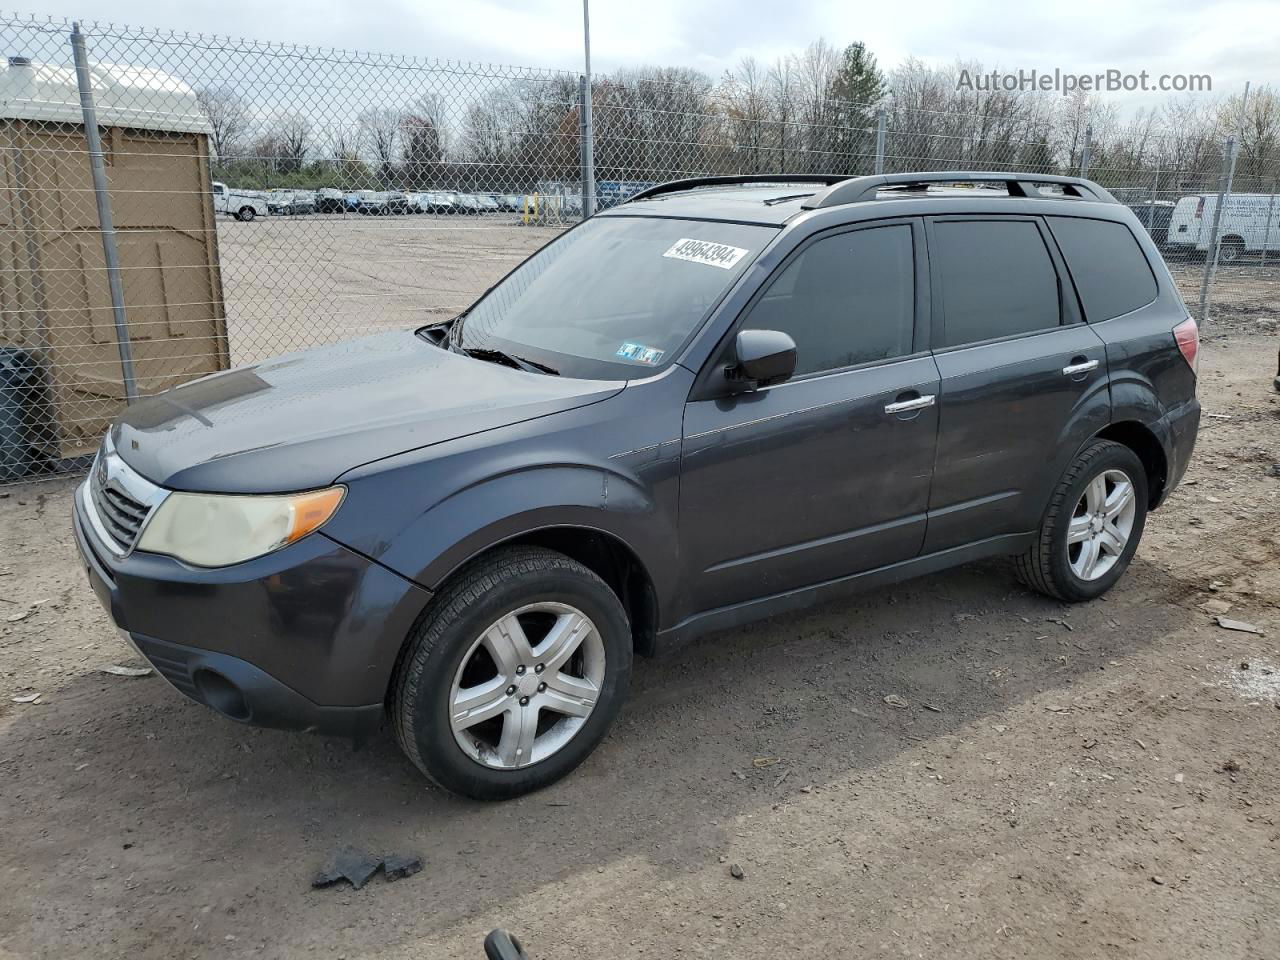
121	515
117	501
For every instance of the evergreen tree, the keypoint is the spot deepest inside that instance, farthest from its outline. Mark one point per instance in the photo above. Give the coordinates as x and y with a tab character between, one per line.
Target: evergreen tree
856	89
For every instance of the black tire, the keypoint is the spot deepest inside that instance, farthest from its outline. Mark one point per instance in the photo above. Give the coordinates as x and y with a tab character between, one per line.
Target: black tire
1231	250
474	599
1046	566
246	214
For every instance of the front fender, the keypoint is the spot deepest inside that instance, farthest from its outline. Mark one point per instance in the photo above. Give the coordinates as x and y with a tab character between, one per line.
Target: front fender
504	507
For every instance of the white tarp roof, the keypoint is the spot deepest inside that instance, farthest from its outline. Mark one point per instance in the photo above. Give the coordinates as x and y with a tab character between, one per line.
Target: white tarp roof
124	96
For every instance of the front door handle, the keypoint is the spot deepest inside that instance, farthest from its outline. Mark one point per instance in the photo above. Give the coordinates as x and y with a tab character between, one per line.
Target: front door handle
1075	369
906	406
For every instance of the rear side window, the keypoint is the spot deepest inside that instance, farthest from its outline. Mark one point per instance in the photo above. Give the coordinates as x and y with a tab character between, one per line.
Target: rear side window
1110	271
846	299
997	279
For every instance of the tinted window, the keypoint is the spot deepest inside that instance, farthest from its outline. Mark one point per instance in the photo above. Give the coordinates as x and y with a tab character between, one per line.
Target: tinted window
845	299
997	279
615	297
1109	269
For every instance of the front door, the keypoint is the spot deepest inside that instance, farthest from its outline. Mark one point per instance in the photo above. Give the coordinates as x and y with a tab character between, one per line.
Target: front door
828	474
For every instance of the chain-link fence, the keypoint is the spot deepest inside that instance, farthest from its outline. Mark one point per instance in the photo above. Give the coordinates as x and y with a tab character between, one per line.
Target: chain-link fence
233	200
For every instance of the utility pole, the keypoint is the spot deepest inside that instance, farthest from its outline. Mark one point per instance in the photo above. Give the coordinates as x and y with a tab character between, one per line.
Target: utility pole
588	131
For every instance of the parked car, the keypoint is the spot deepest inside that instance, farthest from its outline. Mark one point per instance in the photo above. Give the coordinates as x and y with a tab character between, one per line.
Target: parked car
725	399
509	202
1250	223
487	204
330	200
1154	217
353	199
467	203
291	203
241	204
382	203
442	202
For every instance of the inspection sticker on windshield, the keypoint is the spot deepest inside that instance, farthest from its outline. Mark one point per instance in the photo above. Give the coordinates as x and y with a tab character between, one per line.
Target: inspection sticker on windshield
639	353
704	251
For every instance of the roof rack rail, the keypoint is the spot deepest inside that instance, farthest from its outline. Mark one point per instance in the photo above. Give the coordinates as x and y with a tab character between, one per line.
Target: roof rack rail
854	189
693	183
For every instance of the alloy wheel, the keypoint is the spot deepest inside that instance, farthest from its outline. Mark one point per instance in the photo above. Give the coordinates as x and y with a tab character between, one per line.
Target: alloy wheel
527	685
1101	524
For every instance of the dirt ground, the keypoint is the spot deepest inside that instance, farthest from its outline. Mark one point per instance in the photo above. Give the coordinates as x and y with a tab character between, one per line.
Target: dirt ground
1064	781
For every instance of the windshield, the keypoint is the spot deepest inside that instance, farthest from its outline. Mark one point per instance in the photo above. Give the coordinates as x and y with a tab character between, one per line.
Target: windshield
614	298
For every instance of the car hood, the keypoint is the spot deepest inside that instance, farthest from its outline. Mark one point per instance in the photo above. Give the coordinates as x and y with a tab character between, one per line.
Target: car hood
302	420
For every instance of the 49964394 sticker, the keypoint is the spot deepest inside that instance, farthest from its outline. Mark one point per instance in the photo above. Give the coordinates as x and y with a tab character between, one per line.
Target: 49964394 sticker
704	251
639	353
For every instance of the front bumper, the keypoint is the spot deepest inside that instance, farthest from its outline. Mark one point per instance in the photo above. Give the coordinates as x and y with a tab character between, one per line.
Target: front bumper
305	638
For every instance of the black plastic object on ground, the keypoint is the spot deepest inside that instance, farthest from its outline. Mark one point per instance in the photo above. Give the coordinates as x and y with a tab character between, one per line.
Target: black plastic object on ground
500	945
357	867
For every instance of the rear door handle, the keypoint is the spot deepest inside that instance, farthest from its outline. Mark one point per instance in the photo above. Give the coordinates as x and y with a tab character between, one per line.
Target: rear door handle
1075	369
906	406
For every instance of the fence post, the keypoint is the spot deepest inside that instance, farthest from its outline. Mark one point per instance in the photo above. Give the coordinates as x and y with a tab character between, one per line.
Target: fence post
881	130
583	173
1271	208
1084	153
1155	197
1215	238
106	226
588	129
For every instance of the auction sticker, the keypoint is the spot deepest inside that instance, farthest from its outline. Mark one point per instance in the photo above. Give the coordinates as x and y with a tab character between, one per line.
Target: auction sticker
704	251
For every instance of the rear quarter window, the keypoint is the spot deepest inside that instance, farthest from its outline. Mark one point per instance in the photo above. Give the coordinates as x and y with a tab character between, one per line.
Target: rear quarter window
1110	271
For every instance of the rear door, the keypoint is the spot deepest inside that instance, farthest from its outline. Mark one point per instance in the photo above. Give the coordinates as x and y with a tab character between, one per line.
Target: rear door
825	475
1022	376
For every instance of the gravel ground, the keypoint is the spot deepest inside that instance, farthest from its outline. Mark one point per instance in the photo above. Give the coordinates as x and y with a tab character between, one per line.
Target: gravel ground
1064	781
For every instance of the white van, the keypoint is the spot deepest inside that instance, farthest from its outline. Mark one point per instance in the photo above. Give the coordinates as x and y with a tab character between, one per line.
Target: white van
241	204
1250	224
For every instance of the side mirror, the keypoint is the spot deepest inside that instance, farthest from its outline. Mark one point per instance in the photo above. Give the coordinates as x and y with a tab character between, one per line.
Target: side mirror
764	357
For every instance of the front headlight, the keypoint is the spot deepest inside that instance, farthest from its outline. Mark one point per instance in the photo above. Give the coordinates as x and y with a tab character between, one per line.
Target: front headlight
216	530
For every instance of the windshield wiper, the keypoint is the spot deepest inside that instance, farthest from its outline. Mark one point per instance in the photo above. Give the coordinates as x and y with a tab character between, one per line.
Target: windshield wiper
518	363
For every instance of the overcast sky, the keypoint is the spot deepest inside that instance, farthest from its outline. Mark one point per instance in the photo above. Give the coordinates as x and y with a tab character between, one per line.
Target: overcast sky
1232	40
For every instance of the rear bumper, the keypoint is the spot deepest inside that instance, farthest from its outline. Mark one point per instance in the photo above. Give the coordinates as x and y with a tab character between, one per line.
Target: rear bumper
305	638
1179	427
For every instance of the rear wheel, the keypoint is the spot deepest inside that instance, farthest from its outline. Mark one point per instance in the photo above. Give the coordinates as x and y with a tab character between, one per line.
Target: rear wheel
1231	250
246	214
514	676
1092	526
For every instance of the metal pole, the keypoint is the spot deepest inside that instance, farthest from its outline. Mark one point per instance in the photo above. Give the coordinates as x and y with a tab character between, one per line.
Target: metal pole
1084	154
588	131
1271	208
1155	196
101	194
1215	236
582	142
1211	254
881	130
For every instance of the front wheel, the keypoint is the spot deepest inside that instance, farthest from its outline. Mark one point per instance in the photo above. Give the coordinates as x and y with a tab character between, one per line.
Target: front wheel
514	676
1092	526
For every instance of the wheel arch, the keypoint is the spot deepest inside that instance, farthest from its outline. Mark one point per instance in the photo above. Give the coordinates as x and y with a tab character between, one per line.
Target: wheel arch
606	555
1142	440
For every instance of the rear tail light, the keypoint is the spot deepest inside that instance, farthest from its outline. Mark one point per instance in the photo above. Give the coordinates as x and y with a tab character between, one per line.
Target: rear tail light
1199	208
1187	336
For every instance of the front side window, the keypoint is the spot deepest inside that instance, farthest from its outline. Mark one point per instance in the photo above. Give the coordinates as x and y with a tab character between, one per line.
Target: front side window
997	279
615	298
845	299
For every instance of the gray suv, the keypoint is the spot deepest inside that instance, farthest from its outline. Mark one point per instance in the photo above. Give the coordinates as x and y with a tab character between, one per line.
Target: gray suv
724	399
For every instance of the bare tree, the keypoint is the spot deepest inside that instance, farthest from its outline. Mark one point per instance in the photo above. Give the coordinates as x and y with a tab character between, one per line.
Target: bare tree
228	120
380	127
